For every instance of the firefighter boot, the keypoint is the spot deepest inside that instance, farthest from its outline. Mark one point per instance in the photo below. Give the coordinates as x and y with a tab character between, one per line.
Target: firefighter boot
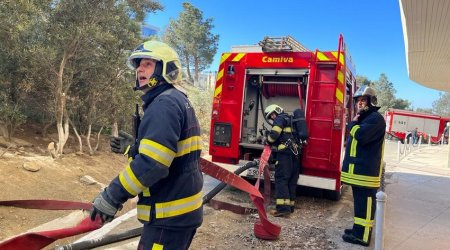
348	230
352	239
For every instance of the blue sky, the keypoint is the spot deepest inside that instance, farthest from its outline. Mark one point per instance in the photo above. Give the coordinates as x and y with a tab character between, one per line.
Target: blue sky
372	31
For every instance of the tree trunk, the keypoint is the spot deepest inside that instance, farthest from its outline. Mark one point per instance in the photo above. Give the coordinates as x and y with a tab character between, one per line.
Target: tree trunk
4	130
98	139
196	63
62	124
188	70
115	129
88	137
60	93
80	142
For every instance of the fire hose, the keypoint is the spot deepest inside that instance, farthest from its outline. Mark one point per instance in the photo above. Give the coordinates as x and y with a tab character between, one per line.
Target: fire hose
263	229
207	198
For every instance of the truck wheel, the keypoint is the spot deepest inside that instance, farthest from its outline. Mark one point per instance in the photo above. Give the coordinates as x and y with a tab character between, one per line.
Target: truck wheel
333	195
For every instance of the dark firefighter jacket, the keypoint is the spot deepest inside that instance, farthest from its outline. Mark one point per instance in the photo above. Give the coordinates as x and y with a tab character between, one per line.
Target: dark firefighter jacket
281	132
364	150
165	172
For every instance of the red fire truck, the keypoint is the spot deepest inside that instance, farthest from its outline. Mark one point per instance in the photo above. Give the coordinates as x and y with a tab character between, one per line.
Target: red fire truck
399	123
282	71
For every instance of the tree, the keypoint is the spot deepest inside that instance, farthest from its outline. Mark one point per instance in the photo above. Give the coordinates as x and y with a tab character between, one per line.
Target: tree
385	93
442	105
363	80
401	104
191	37
424	110
18	19
76	35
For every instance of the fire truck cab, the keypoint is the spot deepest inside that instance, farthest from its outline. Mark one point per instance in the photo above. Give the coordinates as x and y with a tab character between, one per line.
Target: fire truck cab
282	71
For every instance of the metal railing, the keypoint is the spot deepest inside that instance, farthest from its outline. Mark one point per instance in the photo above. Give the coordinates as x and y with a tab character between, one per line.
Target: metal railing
404	149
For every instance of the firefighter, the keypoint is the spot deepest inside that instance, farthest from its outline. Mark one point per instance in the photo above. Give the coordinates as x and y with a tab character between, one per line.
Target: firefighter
164	169
285	153
362	163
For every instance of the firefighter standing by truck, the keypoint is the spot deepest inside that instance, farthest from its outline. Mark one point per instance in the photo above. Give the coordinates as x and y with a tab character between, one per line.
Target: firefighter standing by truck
286	154
164	168
362	164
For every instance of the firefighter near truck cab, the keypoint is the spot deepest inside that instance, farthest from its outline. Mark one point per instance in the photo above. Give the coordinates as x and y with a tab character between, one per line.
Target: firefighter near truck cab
282	71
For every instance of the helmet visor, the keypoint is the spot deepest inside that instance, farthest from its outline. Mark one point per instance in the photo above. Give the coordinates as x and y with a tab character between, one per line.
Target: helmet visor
134	60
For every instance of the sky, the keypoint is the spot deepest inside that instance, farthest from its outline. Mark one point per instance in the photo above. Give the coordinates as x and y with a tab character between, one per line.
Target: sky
372	31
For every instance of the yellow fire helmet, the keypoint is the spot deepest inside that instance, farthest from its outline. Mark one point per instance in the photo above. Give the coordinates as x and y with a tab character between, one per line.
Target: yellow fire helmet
168	64
272	108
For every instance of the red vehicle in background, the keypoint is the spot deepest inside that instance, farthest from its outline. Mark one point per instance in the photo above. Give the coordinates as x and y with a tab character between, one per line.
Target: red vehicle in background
281	71
399	123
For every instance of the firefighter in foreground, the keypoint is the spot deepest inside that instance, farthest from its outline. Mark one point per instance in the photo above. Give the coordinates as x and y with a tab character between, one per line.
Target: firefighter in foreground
362	164
285	153
164	166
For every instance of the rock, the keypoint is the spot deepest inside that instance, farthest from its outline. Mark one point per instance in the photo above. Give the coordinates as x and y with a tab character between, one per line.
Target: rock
32	166
86	179
51	149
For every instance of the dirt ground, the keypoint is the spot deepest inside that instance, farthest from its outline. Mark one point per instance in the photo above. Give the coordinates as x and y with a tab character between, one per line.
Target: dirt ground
316	224
56	179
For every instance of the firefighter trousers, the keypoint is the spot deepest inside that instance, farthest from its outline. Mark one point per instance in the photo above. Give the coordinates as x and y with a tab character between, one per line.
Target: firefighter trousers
364	209
160	238
286	176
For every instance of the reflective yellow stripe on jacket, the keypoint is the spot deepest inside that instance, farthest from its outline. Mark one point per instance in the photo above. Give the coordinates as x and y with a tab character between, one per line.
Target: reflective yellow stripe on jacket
189	145
178	207
354	141
157	152
130	182
143	212
277	130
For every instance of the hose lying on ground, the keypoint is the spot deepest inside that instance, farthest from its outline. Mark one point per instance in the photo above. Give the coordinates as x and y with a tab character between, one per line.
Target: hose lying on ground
109	239
222	185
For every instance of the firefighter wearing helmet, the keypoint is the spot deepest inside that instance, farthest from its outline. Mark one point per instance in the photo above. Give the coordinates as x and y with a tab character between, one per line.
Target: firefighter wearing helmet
163	169
362	165
285	153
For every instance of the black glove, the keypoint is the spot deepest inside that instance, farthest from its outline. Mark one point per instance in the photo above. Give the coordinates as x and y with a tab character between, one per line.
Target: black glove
104	207
121	143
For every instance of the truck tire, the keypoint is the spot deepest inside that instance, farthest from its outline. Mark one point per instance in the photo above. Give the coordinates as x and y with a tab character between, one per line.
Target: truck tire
333	194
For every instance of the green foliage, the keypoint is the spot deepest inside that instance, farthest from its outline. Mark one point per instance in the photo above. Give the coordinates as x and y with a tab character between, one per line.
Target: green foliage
385	93
424	110
442	105
202	102
191	37
18	21
401	104
362	80
11	116
69	55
